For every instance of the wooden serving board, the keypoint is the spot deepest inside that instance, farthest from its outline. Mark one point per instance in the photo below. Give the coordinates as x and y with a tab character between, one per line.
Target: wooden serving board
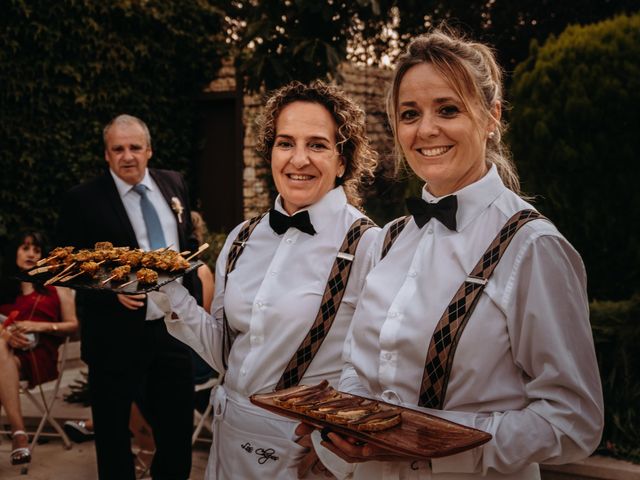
419	435
82	282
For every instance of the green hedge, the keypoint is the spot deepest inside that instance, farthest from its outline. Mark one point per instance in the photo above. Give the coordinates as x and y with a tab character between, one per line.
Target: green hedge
574	129
616	331
68	67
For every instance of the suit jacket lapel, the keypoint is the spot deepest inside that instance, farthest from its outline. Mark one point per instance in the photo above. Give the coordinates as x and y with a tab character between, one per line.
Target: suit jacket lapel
168	192
113	197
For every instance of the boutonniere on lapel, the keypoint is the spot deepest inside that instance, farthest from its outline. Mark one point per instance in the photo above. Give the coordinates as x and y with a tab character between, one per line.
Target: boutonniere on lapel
176	206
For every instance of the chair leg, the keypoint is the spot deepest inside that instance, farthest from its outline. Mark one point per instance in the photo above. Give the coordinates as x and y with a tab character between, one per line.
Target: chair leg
202	422
45	411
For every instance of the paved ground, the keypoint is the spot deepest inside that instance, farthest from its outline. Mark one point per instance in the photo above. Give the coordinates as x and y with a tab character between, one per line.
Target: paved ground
50	460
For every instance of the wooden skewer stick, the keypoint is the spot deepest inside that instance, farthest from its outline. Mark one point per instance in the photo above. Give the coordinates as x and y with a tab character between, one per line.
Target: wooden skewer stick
42	261
185	253
202	248
127	284
41	269
163	249
110	278
69	277
58	276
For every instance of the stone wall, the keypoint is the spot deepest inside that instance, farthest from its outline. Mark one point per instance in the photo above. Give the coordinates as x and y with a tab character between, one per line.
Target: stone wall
367	86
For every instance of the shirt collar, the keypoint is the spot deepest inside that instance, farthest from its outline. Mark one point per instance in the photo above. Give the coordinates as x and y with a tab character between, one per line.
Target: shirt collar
124	188
473	199
323	211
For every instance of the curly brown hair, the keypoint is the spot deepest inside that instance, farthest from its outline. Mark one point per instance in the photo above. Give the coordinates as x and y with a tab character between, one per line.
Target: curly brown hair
351	141
473	72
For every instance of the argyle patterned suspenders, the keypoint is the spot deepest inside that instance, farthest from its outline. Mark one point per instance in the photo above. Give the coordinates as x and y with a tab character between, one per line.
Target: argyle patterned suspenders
237	247
443	343
331	299
392	234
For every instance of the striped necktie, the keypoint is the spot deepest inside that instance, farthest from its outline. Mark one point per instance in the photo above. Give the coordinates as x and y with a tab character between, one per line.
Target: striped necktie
151	219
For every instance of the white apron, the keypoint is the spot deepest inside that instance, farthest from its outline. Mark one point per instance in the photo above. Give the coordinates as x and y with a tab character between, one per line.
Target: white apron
250	442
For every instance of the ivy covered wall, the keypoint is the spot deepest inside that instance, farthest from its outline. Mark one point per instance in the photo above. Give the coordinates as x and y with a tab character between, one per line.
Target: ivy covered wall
68	67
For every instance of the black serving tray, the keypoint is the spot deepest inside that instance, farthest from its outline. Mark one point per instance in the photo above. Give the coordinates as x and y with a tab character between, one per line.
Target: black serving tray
83	282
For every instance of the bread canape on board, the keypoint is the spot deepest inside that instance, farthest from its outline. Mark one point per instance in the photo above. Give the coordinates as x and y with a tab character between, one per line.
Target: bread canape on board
324	402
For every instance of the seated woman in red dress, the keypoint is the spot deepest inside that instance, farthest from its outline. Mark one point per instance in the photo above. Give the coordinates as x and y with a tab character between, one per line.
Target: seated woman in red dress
35	320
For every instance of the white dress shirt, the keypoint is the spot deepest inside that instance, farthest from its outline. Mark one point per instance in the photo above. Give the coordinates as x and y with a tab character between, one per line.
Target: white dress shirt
525	368
273	296
271	299
131	201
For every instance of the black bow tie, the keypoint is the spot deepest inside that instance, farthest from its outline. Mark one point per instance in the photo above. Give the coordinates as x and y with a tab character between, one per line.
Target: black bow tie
444	210
281	222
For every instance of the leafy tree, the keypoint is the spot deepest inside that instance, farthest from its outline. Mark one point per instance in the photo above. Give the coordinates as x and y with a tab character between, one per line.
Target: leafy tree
277	41
68	67
573	134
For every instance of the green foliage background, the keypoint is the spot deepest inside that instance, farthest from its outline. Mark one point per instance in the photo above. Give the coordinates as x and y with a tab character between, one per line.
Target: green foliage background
68	67
616	331
574	131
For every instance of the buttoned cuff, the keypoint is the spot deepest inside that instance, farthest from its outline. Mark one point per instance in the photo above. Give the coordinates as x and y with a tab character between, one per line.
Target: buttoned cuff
336	465
171	297
156	304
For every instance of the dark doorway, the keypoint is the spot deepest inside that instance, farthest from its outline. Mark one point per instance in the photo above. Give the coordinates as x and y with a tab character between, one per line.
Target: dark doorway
220	166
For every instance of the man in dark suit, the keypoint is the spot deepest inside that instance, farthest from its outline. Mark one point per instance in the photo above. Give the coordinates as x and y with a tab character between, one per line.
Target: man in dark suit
130	355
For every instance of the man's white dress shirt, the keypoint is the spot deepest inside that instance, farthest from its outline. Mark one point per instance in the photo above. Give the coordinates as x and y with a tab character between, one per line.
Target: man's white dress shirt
271	299
524	370
131	201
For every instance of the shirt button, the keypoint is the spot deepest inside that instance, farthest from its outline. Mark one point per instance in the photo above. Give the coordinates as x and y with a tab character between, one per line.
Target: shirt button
289	241
393	314
243	371
429	231
274	273
413	273
386	355
260	304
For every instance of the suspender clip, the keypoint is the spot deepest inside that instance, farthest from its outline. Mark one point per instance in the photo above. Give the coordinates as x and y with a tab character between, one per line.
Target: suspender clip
239	243
346	256
477	280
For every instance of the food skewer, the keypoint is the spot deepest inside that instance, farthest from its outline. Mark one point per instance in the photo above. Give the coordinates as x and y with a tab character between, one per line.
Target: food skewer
42	261
59	252
69	277
58	276
201	249
42	269
118	273
89	271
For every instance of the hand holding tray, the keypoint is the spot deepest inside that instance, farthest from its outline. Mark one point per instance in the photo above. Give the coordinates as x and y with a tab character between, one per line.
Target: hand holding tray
419	435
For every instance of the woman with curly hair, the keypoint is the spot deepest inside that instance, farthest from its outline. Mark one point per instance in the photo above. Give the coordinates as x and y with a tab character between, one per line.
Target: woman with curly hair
272	281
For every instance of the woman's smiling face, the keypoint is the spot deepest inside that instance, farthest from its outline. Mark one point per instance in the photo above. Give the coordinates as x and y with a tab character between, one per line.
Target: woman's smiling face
439	137
304	159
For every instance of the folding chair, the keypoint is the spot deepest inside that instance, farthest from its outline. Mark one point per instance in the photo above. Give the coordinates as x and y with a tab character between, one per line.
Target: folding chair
204	419
45	406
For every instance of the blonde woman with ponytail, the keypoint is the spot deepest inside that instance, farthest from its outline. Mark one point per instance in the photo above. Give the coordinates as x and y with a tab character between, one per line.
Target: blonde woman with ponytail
475	309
